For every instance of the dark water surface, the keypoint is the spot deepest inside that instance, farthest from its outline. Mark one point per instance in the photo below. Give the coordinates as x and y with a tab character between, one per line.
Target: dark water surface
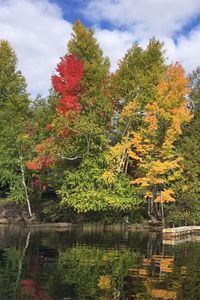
94	264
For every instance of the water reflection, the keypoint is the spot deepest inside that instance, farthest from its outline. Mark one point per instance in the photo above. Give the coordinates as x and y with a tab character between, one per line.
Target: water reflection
78	265
152	275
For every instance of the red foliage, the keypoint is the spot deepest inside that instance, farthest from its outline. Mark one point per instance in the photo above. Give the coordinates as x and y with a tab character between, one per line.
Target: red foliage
39	148
49	140
40	162
49	127
65	132
45	161
32	288
67	83
32	165
38	184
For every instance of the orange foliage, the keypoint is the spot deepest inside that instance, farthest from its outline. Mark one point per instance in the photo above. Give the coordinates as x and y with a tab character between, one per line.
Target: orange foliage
159	293
40	162
39	148
152	146
32	165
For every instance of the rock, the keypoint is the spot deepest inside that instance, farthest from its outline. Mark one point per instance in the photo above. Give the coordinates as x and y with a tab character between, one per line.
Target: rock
11	212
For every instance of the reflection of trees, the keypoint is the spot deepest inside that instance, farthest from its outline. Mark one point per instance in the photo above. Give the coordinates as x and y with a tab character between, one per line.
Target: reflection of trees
33	289
96	272
149	280
54	268
8	271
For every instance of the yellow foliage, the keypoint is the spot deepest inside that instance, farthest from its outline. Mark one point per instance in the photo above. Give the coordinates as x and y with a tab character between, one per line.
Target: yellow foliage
108	176
151	147
104	282
129	109
134	155
148	195
160	168
153	122
167	264
165	196
172	88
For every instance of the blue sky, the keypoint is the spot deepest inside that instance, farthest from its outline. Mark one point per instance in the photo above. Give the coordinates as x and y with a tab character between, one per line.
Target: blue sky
39	30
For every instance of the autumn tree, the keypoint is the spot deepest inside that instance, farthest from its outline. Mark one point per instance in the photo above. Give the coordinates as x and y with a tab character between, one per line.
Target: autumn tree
187	208
91	129
137	77
151	148
94	126
14	110
51	134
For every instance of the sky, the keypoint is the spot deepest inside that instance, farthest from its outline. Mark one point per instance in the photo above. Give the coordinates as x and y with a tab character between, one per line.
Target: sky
38	30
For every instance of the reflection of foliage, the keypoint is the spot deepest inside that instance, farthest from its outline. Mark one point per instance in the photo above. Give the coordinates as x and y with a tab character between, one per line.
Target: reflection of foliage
9	262
151	280
95	272
32	288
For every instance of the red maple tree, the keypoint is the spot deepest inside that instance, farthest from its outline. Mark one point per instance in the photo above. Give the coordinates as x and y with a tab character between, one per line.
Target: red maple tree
67	83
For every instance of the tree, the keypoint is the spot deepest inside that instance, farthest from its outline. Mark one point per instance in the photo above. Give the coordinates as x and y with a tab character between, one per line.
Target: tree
138	74
67	85
14	110
90	129
151	148
97	108
187	208
133	85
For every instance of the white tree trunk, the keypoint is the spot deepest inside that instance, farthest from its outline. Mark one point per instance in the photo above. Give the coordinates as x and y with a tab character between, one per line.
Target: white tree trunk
24	185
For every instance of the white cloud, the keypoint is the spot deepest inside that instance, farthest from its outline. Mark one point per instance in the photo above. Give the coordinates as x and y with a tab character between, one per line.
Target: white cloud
186	49
144	17
38	33
114	44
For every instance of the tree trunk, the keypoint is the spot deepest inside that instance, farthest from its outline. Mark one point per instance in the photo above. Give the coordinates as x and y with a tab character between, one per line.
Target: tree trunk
162	213
22	260
24	185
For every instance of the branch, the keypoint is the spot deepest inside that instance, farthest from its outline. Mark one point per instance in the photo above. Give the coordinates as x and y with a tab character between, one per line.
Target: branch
69	158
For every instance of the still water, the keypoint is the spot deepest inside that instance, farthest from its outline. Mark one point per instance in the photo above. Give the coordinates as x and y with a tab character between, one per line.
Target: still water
96	264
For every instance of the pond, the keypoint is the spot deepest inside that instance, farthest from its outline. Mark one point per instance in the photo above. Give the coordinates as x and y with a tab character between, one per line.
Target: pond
95	264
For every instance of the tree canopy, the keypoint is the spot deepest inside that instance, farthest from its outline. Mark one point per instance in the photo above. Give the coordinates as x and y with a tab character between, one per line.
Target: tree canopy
124	142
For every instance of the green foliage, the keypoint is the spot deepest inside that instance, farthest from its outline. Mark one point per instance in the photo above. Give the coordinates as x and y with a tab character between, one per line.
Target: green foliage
114	108
9	270
187	209
135	80
97	110
85	190
14	110
99	272
139	72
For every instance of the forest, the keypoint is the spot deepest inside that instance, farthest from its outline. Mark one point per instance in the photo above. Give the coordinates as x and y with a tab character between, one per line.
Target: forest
102	146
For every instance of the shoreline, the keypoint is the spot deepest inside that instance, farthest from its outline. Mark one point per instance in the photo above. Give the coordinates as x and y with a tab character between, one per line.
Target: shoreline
139	227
